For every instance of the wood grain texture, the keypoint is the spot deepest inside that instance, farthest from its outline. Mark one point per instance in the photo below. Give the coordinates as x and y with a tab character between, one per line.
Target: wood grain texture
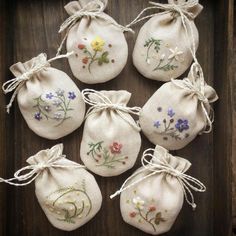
30	28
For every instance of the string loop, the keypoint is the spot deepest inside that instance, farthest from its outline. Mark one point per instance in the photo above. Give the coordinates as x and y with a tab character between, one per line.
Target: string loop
103	102
159	165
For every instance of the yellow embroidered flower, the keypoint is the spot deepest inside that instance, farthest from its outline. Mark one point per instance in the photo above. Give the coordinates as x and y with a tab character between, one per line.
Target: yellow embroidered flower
97	44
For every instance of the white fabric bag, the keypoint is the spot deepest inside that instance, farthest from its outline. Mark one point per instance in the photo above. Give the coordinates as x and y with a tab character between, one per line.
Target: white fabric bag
178	111
111	138
68	194
49	100
153	196
161	50
98	41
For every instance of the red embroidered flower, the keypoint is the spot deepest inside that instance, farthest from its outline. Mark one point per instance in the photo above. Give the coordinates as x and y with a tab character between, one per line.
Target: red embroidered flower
152	208
132	214
85	60
81	46
115	147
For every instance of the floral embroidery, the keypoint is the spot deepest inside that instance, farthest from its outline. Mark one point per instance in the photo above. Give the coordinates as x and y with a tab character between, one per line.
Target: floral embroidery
107	157
69	203
146	212
172	128
98	54
60	105
165	63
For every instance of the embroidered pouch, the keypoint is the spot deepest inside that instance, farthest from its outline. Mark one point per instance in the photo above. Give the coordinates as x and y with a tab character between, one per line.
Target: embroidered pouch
68	194
161	50
152	197
49	100
98	41
111	138
178	111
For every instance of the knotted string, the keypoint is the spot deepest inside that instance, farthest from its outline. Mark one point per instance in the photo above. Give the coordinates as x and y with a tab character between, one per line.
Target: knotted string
198	89
17	83
105	103
159	165
93	9
33	171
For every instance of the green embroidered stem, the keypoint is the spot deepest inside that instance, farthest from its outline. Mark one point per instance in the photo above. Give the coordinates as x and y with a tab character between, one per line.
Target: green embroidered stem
92	61
146	219
94	149
167	66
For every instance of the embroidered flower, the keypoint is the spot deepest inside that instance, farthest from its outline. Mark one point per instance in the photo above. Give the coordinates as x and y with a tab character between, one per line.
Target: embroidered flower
132	214
57	102
97	44
138	202
157	124
49	95
152	208
175	53
170	112
182	125
85	60
47	108
81	46
116	148
71	95
38	116
60	92
57	116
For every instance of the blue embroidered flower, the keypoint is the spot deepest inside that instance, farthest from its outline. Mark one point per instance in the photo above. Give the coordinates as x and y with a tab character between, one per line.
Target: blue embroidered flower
38	116
157	124
182	125
170	112
49	95
71	95
60	92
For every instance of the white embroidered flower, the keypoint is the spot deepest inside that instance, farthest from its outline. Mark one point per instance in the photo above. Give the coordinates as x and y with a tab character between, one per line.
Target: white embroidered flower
163	57
175	53
148	61
57	102
60	92
138	202
57	116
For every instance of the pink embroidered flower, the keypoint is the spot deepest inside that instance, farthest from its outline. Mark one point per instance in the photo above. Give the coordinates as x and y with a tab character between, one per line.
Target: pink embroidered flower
116	148
85	60
152	208
81	46
132	214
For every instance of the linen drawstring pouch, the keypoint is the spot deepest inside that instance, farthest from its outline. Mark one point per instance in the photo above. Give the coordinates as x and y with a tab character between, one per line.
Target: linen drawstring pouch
161	50
179	110
111	138
49	100
153	196
68	194
98	41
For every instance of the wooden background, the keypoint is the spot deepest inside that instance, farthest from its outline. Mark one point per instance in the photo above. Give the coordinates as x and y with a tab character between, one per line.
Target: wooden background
29	27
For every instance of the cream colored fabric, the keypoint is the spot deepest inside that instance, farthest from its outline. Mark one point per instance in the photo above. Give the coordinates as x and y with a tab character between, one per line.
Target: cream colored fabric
99	44
49	100
111	138
161	50
177	112
69	196
153	204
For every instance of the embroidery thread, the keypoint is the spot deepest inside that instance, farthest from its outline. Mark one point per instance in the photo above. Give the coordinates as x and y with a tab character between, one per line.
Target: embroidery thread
97	54
70	203
54	106
107	157
165	63
172	128
148	214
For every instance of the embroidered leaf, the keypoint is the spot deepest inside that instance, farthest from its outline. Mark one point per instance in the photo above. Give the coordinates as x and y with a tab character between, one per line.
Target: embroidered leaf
103	58
158	218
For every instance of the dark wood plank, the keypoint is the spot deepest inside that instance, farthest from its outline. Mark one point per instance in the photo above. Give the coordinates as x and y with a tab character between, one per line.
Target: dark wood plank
223	122
35	30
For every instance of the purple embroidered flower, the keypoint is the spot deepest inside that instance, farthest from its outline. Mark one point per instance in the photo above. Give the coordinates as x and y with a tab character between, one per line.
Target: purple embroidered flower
170	112
159	109
157	124
49	95
60	92
71	95
38	116
182	125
